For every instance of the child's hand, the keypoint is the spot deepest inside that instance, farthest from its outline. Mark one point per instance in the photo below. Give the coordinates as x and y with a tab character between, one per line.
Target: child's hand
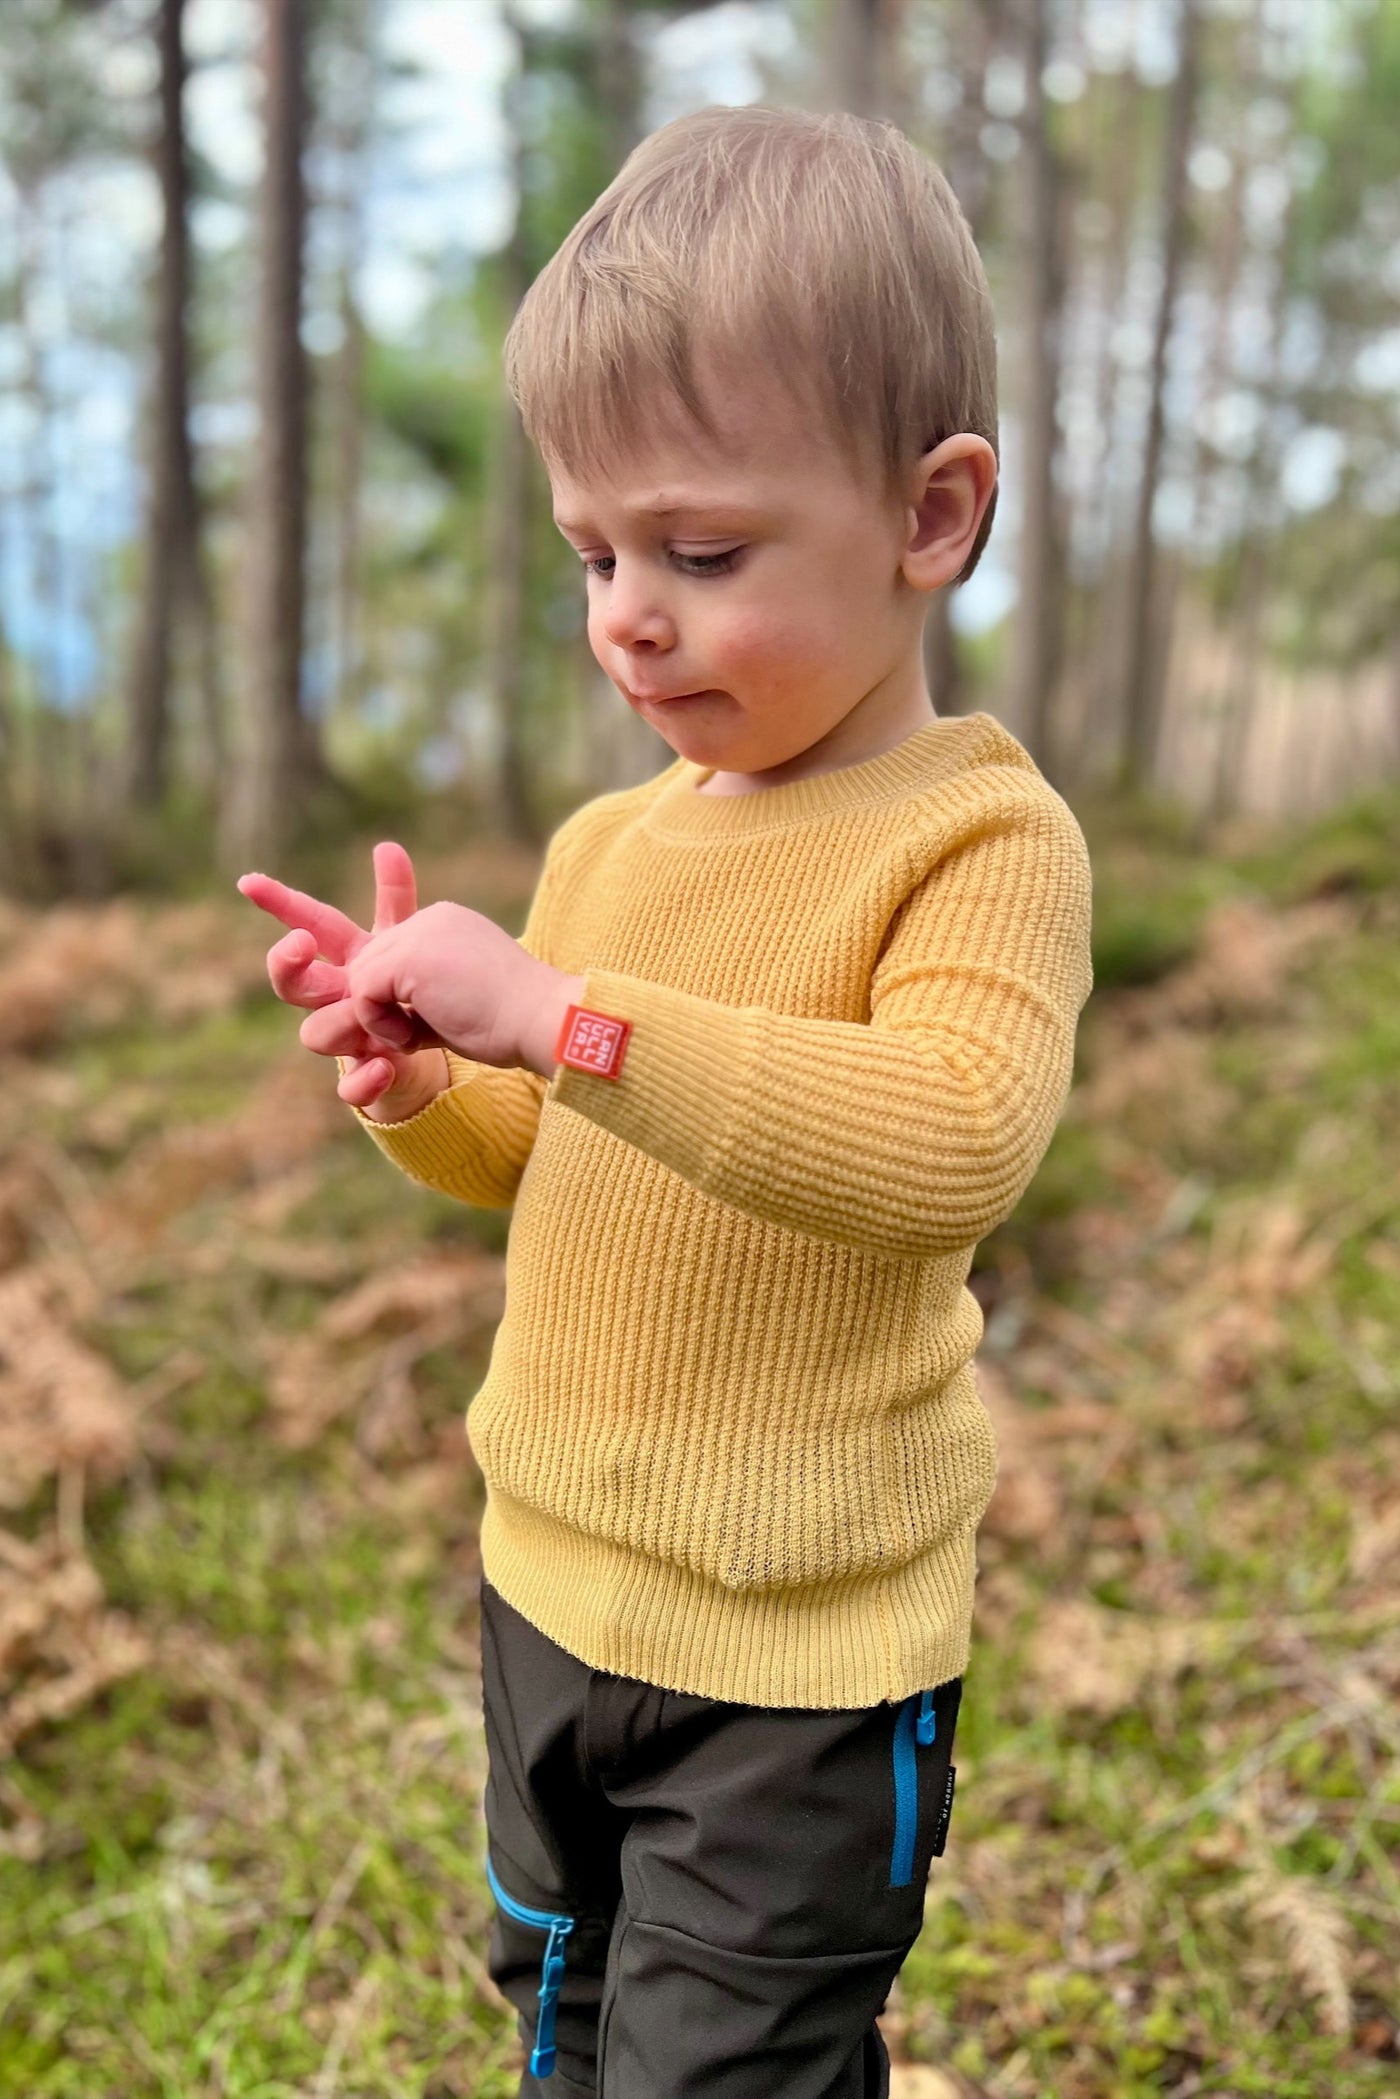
301	978
471	987
467	983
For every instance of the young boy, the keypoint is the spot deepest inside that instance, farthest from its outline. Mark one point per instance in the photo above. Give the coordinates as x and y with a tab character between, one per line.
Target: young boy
757	1078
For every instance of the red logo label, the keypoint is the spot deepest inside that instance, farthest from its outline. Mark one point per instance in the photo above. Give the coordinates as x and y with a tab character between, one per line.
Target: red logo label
593	1042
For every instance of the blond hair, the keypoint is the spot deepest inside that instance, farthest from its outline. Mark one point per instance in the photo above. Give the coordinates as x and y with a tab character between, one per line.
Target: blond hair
826	247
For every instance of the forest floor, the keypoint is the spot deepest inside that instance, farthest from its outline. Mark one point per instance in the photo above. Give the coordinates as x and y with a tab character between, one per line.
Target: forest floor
241	1759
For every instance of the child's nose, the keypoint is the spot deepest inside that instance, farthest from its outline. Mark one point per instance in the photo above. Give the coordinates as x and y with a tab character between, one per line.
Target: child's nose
631	615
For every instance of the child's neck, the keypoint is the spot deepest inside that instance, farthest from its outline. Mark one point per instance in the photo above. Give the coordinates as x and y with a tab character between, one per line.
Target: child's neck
828	755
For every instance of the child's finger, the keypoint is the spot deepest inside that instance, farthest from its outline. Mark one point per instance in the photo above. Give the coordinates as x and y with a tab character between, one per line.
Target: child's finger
395	886
335	935
299	976
335	1030
361	1087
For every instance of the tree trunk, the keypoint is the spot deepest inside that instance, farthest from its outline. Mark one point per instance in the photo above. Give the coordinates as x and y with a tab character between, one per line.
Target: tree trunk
1241	697
37	489
279	755
91	856
171	566
1039	636
1142	687
1261	518
967	169
1101	657
863	69
855	39
510	492
46	844
10	853
618	75
347	408
349	476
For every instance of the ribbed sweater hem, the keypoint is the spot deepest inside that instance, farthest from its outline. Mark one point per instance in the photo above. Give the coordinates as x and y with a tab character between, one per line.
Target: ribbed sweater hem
842	1644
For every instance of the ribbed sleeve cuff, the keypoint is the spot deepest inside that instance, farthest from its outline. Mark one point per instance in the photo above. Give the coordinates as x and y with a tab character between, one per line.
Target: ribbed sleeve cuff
422	1144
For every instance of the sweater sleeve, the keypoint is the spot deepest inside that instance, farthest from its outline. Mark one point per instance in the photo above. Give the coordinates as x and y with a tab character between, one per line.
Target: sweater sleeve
474	1140
912	1134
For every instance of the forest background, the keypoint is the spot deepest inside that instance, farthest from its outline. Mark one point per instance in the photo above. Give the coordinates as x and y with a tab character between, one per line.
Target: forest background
278	578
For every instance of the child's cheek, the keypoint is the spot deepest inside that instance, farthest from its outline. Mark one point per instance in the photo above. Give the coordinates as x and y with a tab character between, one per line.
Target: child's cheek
761	639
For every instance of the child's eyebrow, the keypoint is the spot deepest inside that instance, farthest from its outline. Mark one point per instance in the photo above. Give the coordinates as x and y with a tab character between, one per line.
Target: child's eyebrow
686	506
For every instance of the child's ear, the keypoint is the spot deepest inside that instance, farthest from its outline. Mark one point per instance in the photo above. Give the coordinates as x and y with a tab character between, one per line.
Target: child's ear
949	490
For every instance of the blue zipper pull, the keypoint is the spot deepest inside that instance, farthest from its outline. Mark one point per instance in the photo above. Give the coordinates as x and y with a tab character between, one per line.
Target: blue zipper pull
551	1973
558	1927
926	1726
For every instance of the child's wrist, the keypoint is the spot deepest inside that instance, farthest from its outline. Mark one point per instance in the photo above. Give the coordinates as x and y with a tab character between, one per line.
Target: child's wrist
537	1044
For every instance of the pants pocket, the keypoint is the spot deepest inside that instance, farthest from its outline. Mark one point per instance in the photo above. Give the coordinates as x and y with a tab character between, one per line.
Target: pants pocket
557	1926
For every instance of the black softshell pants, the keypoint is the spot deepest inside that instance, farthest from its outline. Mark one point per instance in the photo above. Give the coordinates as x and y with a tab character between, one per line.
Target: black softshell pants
697	1899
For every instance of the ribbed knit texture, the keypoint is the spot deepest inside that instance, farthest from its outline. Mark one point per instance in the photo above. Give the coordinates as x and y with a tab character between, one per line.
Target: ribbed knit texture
730	1431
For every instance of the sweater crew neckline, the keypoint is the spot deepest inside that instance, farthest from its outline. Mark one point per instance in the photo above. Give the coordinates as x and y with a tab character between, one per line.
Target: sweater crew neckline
941	747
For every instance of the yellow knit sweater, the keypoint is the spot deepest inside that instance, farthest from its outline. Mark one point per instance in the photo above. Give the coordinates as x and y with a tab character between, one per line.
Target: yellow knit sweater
731	1431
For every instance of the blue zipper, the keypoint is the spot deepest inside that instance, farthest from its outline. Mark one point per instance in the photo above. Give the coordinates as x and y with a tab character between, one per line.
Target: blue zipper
551	1969
909	1727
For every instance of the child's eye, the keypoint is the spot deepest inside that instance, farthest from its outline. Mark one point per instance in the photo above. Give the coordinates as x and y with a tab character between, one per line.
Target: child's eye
710	564
693	564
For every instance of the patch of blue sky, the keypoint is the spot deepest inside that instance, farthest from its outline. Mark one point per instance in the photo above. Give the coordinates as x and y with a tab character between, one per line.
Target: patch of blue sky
438	184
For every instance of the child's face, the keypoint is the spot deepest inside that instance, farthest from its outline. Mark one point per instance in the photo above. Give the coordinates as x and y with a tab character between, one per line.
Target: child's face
776	593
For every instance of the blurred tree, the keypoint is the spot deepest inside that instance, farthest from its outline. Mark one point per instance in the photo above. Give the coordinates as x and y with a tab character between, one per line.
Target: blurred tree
280	759
861	32
53	117
174	579
1104	293
1142	685
354	33
1262	515
1039	632
511	480
422	615
617	73
10	813
978	26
